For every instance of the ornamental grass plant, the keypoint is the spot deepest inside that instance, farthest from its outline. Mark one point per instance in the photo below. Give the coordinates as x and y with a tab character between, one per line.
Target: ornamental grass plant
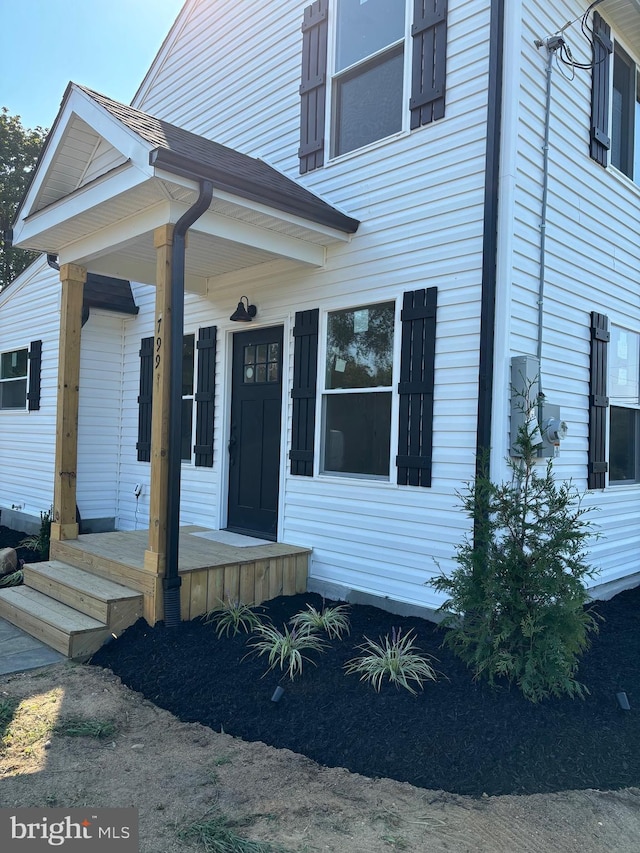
286	649
394	657
332	620
233	617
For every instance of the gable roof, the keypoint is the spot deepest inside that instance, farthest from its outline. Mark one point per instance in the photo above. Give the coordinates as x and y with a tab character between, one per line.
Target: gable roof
109	175
184	153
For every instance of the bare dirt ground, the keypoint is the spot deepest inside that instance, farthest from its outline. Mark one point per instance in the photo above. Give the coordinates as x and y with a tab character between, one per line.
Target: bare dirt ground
178	773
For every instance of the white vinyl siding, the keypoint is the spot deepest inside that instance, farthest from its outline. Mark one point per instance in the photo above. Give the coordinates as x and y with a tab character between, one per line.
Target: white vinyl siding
29	310
99	415
592	258
422	217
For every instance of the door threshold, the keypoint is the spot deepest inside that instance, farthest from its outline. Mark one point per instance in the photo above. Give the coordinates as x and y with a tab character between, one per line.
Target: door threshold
252	534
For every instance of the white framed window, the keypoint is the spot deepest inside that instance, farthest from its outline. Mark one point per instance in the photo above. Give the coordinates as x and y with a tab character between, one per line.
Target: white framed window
188	351
357	391
14	368
624	406
368	92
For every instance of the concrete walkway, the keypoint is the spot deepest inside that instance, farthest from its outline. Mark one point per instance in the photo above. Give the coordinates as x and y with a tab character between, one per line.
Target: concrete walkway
20	651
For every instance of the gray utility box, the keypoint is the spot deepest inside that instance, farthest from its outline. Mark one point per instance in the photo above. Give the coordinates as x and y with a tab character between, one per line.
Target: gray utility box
544	422
525	389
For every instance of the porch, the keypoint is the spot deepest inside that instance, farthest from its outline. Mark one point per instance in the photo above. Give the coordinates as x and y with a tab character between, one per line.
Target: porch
95	586
212	564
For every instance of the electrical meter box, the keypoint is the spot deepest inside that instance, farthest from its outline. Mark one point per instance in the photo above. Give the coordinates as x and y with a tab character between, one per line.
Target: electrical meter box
525	388
552	429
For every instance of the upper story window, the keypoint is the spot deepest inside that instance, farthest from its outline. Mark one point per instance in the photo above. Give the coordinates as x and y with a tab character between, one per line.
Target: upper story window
363	75
368	86
625	115
13	379
624	394
615	104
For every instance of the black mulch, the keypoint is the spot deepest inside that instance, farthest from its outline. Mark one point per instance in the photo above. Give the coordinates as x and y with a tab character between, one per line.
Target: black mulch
457	735
12	539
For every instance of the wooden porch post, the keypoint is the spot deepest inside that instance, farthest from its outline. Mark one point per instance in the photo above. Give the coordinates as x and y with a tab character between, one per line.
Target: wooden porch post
155	555
64	525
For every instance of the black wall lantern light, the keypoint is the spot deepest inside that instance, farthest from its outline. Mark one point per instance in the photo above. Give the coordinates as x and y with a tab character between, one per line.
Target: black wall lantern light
242	314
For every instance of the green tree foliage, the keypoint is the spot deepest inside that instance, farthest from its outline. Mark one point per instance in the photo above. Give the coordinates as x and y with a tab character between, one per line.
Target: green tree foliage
516	607
19	150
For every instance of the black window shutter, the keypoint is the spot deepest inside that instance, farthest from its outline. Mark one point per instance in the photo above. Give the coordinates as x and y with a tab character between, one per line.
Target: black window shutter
416	386
313	86
598	402
205	393
35	365
305	370
429	61
145	400
602	47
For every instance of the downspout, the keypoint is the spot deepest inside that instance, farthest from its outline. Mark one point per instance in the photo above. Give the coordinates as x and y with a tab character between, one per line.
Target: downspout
171	581
490	236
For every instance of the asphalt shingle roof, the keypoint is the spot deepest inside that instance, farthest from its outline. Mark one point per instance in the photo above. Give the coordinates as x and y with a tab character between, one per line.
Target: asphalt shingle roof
181	152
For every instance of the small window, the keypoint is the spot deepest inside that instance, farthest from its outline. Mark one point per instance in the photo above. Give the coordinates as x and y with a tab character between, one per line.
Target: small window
13	379
623	112
625	115
624	419
188	349
368	86
357	395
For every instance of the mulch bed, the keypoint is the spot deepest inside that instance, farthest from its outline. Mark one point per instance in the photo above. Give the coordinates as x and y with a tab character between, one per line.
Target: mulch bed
456	735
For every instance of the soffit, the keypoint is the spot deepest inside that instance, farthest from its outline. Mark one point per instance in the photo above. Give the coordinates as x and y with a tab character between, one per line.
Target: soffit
624	17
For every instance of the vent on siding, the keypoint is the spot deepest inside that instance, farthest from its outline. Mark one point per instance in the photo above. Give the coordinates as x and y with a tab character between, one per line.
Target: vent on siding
205	394
429	61
313	86
598	402
303	392
145	396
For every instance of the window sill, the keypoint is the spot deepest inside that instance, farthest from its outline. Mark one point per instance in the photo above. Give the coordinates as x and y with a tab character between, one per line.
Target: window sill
372	146
339	477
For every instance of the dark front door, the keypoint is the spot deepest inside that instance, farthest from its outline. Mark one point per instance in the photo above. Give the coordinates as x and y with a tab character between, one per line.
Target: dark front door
254	443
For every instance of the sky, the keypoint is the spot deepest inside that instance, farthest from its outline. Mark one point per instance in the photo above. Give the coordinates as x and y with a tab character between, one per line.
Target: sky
106	45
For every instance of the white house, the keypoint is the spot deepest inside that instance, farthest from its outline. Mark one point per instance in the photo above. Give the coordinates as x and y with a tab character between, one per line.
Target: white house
401	198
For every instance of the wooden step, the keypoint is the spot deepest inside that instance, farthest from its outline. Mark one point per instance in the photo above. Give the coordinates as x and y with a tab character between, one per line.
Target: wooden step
70	632
111	603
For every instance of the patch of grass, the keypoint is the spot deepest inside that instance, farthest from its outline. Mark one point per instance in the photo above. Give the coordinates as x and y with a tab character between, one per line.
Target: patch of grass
85	727
395	841
394	657
30	723
332	620
216	835
8	709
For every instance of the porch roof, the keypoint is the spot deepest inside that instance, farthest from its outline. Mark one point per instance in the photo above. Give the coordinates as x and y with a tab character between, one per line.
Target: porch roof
109	175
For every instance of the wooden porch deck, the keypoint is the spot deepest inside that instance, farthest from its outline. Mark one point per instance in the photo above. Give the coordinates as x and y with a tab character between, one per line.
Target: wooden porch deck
211	571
